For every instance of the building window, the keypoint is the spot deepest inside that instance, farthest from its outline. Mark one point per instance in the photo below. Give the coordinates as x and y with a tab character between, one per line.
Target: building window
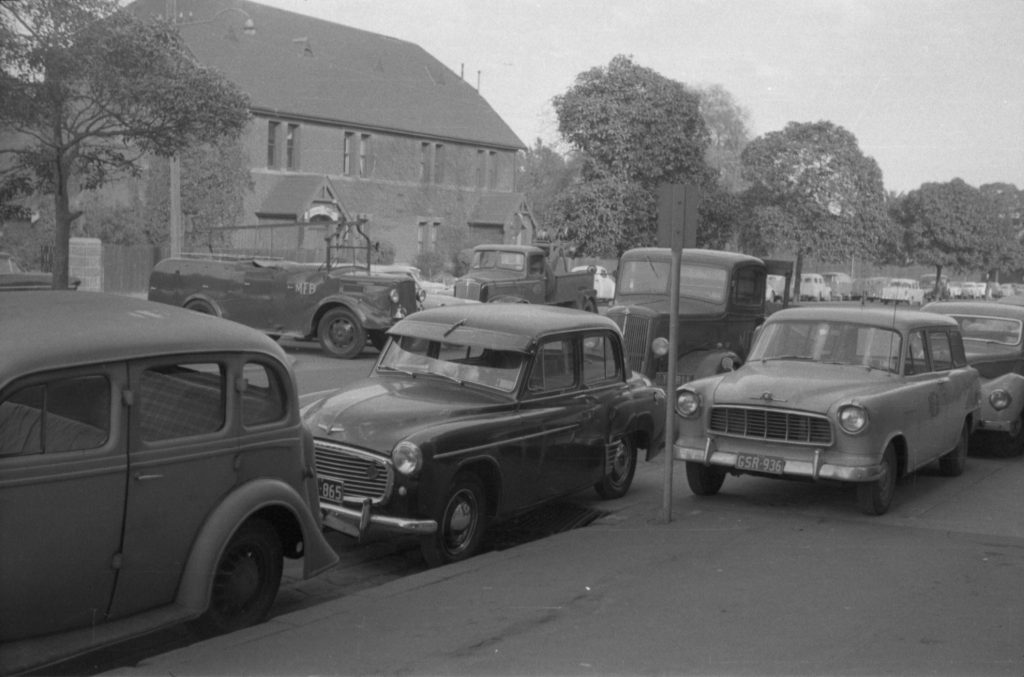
481	167
438	163
492	169
365	156
346	162
426	236
272	132
425	162
292	147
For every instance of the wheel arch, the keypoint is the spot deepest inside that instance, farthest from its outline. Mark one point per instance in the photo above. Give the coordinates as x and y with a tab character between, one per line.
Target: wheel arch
487	471
203	298
268	499
330	304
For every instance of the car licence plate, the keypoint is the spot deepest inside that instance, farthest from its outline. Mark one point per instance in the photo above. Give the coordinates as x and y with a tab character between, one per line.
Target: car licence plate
765	464
331	490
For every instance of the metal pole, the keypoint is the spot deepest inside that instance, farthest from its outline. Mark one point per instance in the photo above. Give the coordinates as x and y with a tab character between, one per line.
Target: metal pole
670	380
176	235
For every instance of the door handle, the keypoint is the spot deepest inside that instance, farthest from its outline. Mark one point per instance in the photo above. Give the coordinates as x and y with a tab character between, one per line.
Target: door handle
142	477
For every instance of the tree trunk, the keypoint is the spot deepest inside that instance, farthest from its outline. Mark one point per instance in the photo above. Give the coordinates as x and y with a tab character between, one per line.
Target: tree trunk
62	234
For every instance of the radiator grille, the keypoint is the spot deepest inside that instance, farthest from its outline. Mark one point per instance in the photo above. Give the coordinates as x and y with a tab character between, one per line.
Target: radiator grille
467	289
365	475
636	338
771	425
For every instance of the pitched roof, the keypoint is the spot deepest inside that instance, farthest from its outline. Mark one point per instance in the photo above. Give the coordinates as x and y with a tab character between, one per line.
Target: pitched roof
310	68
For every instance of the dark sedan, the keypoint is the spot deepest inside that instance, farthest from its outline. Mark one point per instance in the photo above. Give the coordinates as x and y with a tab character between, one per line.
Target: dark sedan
475	413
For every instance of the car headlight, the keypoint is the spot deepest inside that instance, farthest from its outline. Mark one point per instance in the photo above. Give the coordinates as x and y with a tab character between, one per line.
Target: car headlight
687	403
853	418
1000	399
393	294
407	458
421	295
659	346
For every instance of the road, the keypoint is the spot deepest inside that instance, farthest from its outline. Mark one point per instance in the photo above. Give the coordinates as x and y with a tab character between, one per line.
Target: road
982	504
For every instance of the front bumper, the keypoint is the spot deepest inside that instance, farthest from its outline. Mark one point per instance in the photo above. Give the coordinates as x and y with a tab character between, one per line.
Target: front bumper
360	522
811	464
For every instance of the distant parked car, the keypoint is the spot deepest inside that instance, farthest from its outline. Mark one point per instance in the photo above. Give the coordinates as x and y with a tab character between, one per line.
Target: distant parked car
604	283
995	347
775	288
153	470
475	413
840	284
856	394
813	288
972	290
902	290
14	278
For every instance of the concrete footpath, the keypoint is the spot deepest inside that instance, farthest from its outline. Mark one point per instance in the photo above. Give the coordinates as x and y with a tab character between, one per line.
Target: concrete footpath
768	578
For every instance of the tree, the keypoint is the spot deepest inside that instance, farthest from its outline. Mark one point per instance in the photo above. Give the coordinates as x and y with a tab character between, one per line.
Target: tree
545	174
727	124
826	196
943	225
1006	226
88	89
634	129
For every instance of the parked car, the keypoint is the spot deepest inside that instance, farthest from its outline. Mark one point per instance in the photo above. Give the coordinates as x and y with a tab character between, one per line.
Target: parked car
604	283
813	288
993	342
848	394
475	413
902	290
840	284
153	470
868	288
14	278
973	290
775	288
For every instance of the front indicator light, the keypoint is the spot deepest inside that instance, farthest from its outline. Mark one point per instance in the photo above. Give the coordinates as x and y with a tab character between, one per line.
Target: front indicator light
687	403
853	419
407	458
1000	399
394	296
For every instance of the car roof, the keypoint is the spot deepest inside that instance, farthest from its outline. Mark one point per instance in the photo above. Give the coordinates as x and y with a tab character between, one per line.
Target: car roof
503	326
990	308
876	316
691	255
56	329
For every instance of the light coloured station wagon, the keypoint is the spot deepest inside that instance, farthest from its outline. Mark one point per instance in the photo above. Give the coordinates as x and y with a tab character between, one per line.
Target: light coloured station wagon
845	394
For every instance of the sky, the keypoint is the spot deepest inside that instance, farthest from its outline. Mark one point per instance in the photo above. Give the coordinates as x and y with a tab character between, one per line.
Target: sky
932	89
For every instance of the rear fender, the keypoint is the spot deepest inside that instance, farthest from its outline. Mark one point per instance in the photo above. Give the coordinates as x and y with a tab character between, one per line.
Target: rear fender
204	298
249	500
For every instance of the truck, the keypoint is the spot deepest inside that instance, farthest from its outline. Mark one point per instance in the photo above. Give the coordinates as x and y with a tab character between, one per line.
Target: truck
721	303
536	273
341	302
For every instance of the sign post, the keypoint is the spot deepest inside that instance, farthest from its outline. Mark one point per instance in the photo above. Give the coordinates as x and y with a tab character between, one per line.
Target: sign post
677	228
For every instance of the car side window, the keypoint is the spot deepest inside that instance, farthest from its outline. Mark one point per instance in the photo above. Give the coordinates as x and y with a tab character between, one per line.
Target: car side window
61	415
600	364
552	367
941	352
181	400
263	395
749	287
956	343
917	357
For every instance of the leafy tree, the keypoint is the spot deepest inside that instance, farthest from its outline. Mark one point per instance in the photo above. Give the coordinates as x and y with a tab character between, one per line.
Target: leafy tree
727	123
1006	226
88	88
944	225
826	196
545	173
635	129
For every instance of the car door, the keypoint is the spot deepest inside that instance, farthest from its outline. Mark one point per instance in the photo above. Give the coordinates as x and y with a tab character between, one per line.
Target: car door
62	491
568	457
182	460
952	389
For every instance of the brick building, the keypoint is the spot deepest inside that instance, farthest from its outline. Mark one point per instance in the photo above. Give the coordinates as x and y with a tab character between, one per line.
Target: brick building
350	122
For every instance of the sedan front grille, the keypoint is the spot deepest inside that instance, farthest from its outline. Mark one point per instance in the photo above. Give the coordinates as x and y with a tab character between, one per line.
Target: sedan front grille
771	425
365	475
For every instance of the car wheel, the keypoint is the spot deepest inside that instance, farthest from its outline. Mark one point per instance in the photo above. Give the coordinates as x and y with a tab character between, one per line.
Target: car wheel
704	480
874	498
588	304
246	581
460	525
1011	443
619	470
952	464
341	334
200	307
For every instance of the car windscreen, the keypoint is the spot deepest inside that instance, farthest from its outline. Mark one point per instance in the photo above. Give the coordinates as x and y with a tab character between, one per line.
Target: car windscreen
648	276
460	362
829	343
1001	330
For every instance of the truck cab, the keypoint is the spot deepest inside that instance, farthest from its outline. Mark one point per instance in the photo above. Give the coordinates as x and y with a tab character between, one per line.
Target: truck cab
721	303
